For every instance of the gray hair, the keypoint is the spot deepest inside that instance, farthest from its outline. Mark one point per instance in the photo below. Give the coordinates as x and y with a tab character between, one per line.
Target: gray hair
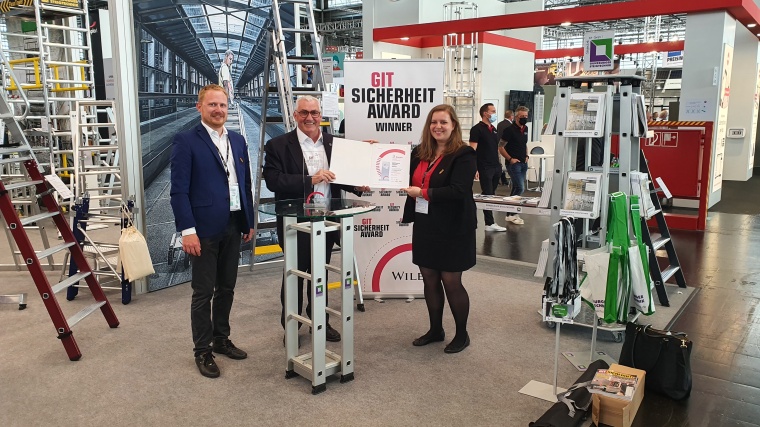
307	98
228	53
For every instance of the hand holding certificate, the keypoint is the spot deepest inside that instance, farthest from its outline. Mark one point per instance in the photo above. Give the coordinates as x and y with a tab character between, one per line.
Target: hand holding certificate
377	165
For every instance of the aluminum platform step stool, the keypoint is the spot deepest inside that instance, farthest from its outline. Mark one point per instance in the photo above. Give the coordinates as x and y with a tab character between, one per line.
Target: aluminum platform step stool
320	362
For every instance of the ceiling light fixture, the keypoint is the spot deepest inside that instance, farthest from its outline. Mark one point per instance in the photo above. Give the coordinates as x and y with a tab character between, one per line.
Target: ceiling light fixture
565	24
405	38
752	25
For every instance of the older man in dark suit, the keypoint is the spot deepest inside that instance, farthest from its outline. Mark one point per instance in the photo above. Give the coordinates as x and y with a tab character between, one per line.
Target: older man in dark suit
296	165
211	200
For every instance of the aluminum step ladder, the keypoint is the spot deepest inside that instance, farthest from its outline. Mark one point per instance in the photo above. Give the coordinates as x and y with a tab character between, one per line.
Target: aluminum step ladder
21	153
659	241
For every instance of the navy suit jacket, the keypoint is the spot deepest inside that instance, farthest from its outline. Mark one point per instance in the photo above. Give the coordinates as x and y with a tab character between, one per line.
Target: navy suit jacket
286	174
200	195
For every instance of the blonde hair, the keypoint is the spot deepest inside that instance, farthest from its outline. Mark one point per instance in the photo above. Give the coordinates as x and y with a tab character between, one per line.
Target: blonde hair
207	88
428	145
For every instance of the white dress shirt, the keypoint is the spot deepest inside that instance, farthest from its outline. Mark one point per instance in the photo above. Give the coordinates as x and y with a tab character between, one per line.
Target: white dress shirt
315	157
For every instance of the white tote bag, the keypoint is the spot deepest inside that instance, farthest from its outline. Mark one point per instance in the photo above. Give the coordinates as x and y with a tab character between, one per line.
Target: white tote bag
641	289
594	287
134	254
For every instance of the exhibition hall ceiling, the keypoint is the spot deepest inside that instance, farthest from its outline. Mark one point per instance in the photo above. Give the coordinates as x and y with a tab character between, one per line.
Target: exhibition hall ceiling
201	31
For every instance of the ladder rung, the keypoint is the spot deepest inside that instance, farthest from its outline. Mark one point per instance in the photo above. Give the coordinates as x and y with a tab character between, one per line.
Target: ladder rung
63	27
73	320
46	6
55	249
82	82
70	281
16	149
295	60
271	119
14	160
65	46
17	185
38	217
297	30
660	242
69	64
669	272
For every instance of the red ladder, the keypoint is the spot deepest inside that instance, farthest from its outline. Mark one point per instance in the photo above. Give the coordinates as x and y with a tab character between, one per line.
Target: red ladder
47	292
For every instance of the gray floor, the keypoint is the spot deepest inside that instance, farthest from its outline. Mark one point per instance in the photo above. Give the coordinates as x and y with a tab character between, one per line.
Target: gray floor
143	373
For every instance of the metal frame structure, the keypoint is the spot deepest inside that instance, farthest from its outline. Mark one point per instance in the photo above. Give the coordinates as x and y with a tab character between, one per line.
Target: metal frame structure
320	363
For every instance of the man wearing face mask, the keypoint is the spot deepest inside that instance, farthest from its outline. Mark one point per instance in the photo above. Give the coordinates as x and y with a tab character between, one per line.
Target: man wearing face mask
514	148
485	142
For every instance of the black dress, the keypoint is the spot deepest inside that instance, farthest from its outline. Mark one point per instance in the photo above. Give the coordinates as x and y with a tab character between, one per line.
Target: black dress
444	238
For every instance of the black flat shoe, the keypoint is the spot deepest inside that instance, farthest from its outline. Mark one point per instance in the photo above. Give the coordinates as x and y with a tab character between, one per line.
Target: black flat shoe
206	365
456	349
428	338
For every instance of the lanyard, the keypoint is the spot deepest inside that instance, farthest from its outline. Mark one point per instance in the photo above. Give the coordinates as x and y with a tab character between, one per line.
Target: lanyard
431	166
224	160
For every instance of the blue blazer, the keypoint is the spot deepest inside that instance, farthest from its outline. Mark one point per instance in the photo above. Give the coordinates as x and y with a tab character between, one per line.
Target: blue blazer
200	195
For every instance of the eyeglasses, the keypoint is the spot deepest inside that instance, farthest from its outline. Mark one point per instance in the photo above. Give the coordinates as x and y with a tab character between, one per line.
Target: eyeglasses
305	113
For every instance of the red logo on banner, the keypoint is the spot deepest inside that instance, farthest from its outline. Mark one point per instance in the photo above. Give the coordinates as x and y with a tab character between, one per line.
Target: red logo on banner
359	55
331	48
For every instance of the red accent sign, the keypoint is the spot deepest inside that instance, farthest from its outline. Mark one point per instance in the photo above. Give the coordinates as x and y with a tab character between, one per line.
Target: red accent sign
359	55
331	48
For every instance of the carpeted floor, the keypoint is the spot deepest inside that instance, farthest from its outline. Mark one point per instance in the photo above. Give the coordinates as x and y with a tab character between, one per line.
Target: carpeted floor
143	372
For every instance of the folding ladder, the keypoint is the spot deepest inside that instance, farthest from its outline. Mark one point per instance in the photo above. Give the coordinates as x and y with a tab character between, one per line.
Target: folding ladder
20	152
657	242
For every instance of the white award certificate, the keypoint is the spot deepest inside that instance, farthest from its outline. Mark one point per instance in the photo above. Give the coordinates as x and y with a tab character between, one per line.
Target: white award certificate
360	163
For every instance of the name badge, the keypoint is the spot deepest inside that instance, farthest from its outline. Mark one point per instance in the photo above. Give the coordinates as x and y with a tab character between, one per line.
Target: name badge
421	205
234	198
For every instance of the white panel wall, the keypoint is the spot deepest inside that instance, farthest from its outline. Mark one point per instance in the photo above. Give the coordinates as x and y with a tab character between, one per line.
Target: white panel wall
742	112
535	34
703	51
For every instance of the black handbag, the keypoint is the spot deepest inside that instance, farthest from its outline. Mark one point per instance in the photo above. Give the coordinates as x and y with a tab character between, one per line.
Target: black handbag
664	355
574	405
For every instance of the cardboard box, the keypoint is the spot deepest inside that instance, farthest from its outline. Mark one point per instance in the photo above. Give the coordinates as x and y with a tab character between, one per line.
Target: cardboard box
618	412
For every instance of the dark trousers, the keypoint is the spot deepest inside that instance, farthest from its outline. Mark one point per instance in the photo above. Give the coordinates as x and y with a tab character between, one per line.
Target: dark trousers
213	283
489	180
304	264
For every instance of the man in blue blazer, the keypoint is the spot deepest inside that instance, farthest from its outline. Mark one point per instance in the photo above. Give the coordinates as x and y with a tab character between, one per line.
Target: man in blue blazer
212	203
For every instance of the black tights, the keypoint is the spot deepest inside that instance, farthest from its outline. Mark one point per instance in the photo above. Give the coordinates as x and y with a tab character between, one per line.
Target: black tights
459	301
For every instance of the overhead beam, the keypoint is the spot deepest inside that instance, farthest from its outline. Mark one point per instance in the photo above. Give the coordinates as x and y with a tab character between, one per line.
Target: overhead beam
621	49
744	10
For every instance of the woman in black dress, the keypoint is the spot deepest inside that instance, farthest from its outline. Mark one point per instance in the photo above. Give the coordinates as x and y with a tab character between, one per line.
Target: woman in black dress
441	206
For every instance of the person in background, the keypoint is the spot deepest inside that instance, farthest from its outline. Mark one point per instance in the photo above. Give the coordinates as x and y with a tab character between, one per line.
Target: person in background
225	76
212	205
485	143
663	116
441	207
507	122
287	157
514	148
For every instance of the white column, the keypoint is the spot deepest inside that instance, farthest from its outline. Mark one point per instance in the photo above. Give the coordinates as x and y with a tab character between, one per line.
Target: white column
125	61
742	113
708	46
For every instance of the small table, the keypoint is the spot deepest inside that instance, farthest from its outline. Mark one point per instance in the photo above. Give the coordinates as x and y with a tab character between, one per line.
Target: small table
317	220
542	160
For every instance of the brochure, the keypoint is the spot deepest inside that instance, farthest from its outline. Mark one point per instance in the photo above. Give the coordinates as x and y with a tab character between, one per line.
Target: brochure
582	195
614	384
585	115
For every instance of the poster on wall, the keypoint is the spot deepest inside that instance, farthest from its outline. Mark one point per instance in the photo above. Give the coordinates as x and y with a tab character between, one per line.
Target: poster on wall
598	50
388	101
720	135
175	63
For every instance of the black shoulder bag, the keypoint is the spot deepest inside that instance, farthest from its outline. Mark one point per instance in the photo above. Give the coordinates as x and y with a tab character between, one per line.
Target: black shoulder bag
664	355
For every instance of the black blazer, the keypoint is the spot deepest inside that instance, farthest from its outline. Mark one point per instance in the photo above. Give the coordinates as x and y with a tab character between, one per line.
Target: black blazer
285	171
452	208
